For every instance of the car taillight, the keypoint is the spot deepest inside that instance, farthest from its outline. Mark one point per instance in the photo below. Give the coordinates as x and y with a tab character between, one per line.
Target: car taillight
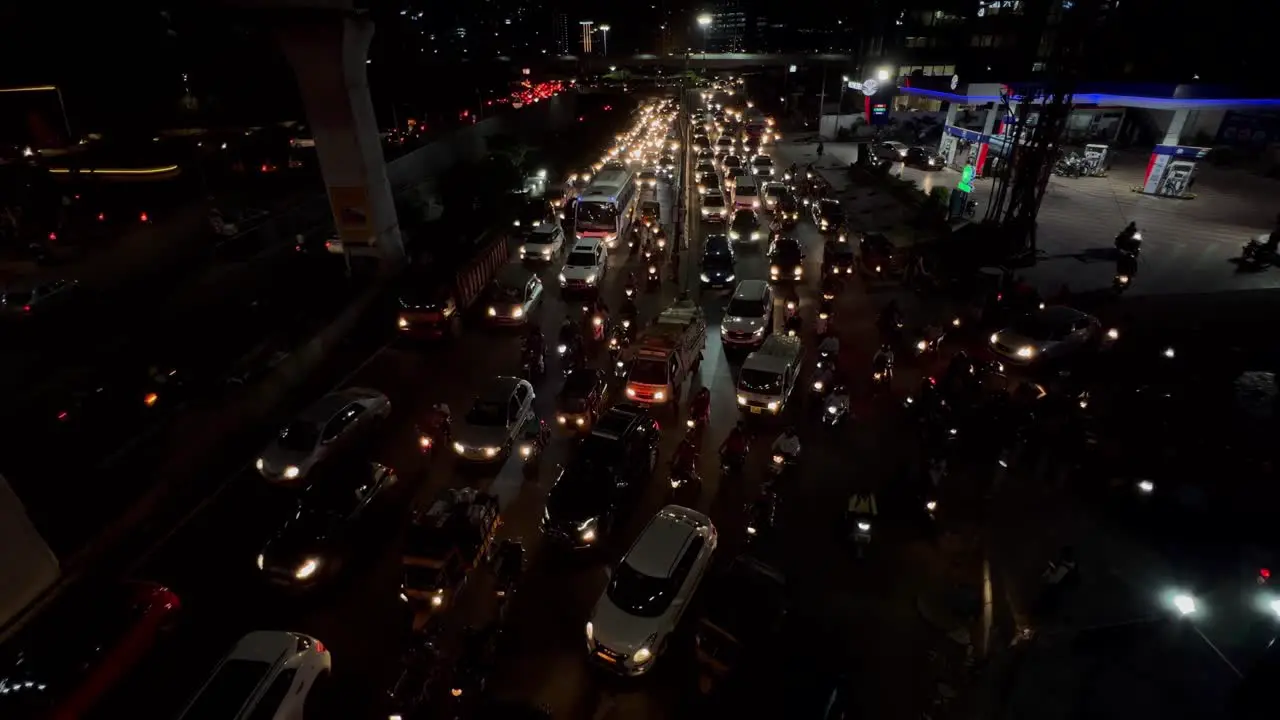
102	216
63	415
150	399
26	308
144	217
319	646
53	237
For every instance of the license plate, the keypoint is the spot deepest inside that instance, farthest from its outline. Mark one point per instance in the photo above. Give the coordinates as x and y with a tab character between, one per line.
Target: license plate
757	410
606	658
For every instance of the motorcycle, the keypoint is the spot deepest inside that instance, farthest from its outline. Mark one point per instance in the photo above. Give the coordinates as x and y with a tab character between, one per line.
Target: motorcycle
569	359
970	209
861	533
679	478
629	291
780	464
791	309
823	324
653	278
882	373
930	340
432	435
534	365
472	668
508	569
822	374
1120	283
410	694
761	515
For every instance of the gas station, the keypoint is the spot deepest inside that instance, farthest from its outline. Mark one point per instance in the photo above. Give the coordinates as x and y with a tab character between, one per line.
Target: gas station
1191	110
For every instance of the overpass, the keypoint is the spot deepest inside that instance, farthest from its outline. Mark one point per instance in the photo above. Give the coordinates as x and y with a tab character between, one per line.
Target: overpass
697	61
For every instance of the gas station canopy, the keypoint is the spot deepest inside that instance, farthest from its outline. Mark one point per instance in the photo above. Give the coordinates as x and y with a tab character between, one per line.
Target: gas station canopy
1150	96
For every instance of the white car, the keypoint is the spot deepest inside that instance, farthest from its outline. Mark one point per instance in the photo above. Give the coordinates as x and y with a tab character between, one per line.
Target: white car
748	318
584	268
330	424
498	413
649	590
1049	334
545	242
893	151
272	675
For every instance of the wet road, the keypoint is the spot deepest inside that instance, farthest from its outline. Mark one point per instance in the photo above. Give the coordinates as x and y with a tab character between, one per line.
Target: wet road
866	606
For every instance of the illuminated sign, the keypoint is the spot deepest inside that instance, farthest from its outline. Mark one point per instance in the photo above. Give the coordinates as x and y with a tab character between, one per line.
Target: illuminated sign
966	179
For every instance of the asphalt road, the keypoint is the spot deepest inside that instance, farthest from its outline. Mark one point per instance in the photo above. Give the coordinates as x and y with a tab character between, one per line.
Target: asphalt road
862	612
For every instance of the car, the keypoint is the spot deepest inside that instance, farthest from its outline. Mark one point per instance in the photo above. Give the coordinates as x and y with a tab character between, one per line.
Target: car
428	308
701	142
786	259
730	162
774	192
545	242
269	674
717	266
610	470
73	657
1054	333
891	151
725	143
702	170
650	213
731	176
667	165
312	546
828	215
513	295
714	208
649	590
787	210
585	266
497	415
748	318
332	424
648	178
880	258
581	398
21	301
745	226
838	258
708	183
614	165
533	213
762	166
706	155
582	178
924	158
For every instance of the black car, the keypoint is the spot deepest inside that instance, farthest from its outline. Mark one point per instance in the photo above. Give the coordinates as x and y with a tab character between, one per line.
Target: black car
827	214
533	213
838	258
786	259
427	308
717	244
609	467
787	210
923	158
581	399
717	271
313	544
745	226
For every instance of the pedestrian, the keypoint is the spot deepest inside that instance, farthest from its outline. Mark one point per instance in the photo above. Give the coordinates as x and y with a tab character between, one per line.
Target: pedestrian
820	148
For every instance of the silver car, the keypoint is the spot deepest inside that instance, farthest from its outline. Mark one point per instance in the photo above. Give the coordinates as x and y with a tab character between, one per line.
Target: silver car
330	424
1049	334
893	151
496	417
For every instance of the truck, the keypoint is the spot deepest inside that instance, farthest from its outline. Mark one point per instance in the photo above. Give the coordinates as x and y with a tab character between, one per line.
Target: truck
666	353
29	570
769	375
445	542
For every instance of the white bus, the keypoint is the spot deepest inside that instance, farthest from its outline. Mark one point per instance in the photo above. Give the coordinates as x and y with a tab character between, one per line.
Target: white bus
607	206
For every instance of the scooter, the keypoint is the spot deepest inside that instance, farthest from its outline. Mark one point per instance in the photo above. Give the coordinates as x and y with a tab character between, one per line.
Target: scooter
779	464
761	515
534	366
861	534
652	277
882	374
836	407
824	323
1120	283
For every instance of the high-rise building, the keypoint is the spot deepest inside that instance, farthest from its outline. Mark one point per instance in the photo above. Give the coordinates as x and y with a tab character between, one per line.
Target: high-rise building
728	29
562	40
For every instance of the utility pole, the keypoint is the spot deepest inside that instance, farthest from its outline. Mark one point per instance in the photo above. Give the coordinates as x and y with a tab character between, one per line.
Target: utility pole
1030	152
822	98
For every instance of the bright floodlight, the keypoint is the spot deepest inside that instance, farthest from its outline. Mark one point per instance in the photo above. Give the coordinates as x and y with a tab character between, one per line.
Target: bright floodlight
605	28
1146	487
1275	606
704	20
882	74
1185	604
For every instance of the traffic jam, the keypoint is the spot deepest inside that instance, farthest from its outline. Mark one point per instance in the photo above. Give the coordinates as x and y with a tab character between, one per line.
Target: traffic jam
609	501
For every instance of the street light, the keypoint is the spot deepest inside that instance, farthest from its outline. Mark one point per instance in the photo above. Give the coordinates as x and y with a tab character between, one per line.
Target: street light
844	83
704	22
1185	604
604	32
882	74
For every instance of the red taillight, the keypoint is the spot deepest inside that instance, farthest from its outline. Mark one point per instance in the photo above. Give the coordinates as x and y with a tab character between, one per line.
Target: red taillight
327	244
933	381
999	297
26	308
1264	573
319	646
265	168
102	216
150	399
63	415
144	218
53	237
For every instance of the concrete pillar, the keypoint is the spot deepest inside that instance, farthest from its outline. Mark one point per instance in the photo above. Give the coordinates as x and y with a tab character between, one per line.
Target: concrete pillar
328	54
951	120
1176	124
989	122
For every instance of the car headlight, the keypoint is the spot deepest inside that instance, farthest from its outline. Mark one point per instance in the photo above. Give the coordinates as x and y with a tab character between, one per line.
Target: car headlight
459	448
292	472
755	203
642	656
307	568
730	278
733	234
864	526
705	211
260	464
742	400
1026	352
799	270
546	253
704	277
773	270
773	407
493	312
993	338
562	279
437	599
591	279
631	393
490	452
755	234
262	560
402	322
758	331
659	395
591	632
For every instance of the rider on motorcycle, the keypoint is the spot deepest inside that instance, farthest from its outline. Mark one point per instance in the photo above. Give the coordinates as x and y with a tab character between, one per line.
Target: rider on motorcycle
788	444
700	405
792	324
1125	241
684	463
568	330
1127	265
838	398
734	449
882	361
829	347
631	282
437	421
890	321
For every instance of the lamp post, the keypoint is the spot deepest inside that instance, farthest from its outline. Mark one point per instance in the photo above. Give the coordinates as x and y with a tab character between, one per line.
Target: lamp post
604	37
704	22
844	83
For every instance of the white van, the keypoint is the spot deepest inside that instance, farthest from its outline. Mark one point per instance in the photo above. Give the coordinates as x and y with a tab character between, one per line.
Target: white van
769	375
747	194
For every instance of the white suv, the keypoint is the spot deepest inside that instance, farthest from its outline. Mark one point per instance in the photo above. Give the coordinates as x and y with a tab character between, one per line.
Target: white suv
272	675
650	589
584	267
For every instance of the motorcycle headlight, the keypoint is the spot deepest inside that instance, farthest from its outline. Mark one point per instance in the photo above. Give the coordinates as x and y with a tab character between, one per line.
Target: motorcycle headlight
653	270
704	277
832	409
817	385
307	568
777	459
773	270
1026	352
864	526
922	346
493	312
291	472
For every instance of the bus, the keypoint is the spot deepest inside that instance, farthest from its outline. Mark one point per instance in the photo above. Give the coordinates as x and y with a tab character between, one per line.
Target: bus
607	206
